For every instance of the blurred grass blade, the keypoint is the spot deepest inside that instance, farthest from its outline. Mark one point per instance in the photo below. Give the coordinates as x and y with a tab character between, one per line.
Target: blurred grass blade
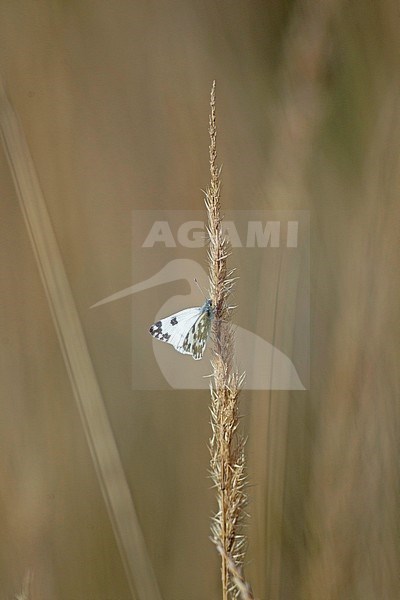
86	390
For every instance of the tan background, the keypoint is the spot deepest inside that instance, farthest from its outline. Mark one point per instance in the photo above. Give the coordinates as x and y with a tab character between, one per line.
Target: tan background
113	100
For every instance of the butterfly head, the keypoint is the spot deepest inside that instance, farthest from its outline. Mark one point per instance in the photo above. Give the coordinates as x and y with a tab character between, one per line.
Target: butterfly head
208	308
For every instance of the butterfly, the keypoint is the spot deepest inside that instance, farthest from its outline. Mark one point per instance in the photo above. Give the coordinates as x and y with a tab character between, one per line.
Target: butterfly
188	330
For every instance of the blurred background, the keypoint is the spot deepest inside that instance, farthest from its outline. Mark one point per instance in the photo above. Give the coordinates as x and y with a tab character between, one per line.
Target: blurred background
113	100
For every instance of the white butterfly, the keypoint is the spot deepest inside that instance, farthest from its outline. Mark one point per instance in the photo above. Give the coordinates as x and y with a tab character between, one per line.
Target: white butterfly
188	330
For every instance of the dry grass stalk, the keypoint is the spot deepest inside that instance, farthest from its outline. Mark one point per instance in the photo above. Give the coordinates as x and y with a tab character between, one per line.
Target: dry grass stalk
88	396
236	571
226	444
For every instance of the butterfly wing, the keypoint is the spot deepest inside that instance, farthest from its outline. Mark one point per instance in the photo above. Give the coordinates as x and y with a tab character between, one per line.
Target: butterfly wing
195	340
187	331
175	328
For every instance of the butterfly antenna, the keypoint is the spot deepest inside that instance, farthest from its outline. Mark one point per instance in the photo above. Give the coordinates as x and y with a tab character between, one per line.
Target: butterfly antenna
200	288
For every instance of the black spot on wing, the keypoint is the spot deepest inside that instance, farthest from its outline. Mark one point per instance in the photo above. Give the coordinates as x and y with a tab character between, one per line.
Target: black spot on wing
174	321
156	330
